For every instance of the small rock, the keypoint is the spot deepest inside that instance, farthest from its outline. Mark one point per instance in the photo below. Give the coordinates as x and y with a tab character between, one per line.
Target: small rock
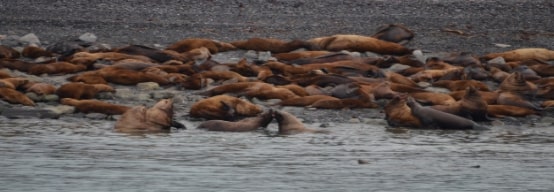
264	56
497	123
88	37
161	95
397	67
251	54
502	45
148	86
96	116
50	98
99	47
61	109
33	96
11	41
423	84
354	120
124	94
30	38
498	60
143	97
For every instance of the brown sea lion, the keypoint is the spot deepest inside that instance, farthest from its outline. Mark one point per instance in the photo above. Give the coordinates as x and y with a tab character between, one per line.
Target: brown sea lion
456	85
498	75
197	80
4	74
223	107
14	82
56	68
489	97
398	114
15	64
515	99
471	106
509	110
130	77
8	52
288	56
305	100
517	83
35	52
88	59
12	96
435	119
357	43
247	124
152	53
41	88
193	43
95	106
523	54
259	90
394	33
547	104
432	98
270	44
290	125
462	59
156	119
88	78
327	58
81	90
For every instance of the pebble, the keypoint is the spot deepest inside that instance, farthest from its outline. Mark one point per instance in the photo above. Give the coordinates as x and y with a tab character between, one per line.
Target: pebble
148	86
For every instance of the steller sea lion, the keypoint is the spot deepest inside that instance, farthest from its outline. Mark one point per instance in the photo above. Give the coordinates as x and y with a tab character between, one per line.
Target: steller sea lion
247	124
223	107
14	82
398	114
270	44
357	43
154	54
8	53
432	98
289	56
193	43
12	96
471	106
509	110
156	119
435	119
290	125
81	90
35	52
95	106
456	85
394	33
523	54
41	88
56	68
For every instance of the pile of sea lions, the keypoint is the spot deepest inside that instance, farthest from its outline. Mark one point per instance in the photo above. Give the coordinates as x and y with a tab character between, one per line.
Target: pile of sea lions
435	91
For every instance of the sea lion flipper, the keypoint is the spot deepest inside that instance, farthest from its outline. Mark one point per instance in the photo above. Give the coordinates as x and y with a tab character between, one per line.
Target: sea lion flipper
178	125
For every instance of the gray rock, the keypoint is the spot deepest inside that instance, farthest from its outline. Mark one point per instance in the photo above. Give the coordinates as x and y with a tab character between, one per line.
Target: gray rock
143	97
124	94
148	86
11	41
264	55
60	109
354	120
33	96
96	116
250	54
29	112
88	37
30	38
105	95
50	98
161	95
498	60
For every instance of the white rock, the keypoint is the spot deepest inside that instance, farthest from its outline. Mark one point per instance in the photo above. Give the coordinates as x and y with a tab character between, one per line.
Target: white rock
30	38
502	45
88	37
148	86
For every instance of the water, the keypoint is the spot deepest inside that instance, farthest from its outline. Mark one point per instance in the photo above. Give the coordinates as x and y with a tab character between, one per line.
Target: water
86	155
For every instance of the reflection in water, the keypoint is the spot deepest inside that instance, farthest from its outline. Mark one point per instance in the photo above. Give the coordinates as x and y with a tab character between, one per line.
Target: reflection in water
72	155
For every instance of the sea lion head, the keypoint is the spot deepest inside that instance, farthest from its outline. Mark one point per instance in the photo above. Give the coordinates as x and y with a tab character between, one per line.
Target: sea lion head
165	105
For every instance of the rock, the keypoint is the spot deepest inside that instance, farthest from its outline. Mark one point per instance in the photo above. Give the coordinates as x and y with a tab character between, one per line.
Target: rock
96	116
33	96
148	86
50	98
29	112
546	119
361	161
105	95
502	45
498	60
124	94
397	67
264	56
11	41
88	37
143	97
251	54
30	38
99	47
161	95
354	120
61	109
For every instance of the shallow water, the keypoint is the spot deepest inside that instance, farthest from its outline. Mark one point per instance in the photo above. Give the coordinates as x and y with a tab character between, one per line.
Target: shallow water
75	154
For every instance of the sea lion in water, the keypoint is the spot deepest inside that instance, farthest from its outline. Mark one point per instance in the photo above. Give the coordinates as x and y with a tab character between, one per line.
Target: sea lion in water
432	118
139	119
289	124
398	114
247	124
12	96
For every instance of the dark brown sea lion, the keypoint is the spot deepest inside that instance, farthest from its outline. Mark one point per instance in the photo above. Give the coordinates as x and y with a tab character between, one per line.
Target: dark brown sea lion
12	96
88	59
432	98
431	118
462	59
471	106
193	43
456	85
81	90
398	114
88	78
223	107
547	104
357	43
290	125
56	68
270	44
528	73
156	119
327	58
523	54
152	53
515	99
95	106
305	100
247	124
14	82
259	90
489	97
394	33
4	74
8	53
35	52
15	64
299	55
516	83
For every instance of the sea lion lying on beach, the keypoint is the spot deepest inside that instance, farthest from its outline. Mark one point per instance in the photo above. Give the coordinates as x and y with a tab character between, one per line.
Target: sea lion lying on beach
95	106
435	119
223	107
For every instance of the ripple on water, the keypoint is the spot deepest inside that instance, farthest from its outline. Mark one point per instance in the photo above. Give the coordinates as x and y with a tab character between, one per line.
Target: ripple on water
41	154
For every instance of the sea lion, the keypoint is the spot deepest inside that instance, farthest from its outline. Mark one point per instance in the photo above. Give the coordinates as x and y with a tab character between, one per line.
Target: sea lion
357	43
15	64
8	53
289	56
247	124
87	59
56	68
152	53
259	90
523	54
41	88
516	83
35	52
462	59
12	96
432	98
456	85
270	44
5	74
81	90
14	82
547	104
95	106
515	99
139	119
435	119
223	107
394	33
290	125
489	97
471	106
509	110
398	114
214	46
88	78
305	100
